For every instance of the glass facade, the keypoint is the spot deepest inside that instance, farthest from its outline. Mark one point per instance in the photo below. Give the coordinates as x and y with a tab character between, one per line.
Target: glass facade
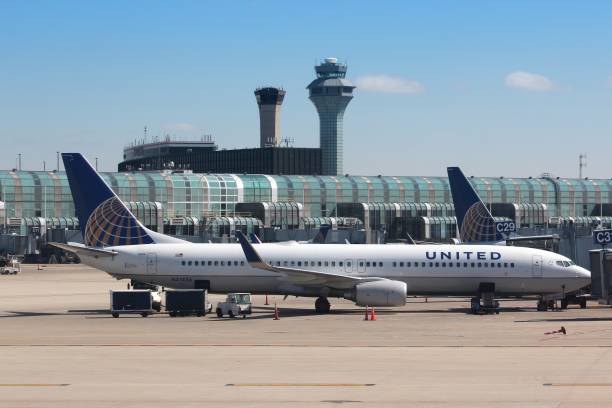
47	194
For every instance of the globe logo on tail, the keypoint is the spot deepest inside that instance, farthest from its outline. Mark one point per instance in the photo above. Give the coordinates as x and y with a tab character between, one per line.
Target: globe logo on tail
112	224
478	225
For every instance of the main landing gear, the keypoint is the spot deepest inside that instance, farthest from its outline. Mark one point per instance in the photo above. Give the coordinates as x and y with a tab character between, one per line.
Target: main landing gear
322	305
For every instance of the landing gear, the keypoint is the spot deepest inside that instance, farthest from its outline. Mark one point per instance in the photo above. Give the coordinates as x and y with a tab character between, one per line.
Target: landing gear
485	303
322	305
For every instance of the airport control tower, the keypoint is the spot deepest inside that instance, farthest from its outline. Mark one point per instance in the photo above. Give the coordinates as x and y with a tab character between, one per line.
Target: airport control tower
331	92
269	101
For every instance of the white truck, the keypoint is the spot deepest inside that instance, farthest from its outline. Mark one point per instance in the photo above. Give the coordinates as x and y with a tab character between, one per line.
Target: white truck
235	304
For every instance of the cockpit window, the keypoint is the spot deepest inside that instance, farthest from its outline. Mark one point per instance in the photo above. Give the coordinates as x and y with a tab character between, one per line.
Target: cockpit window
566	264
560	263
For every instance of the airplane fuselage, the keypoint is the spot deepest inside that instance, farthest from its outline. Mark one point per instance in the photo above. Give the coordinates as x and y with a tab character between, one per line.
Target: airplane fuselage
426	269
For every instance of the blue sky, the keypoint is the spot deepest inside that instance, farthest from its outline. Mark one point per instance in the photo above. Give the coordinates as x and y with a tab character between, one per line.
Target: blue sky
514	89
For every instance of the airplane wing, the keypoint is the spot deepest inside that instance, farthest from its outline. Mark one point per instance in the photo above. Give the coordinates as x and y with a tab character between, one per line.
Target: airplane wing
80	249
300	277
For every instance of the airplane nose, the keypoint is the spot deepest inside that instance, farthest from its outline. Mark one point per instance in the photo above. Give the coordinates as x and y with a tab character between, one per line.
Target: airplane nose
583	273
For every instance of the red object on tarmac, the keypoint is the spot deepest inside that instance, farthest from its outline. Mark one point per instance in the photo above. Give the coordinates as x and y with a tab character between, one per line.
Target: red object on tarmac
366	318
276	312
373	315
266	300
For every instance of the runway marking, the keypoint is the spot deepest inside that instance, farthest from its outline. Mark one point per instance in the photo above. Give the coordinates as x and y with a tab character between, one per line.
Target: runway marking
577	385
34	385
299	385
378	346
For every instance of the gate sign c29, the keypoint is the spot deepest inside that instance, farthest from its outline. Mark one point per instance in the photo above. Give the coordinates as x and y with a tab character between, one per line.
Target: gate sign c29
602	237
505	226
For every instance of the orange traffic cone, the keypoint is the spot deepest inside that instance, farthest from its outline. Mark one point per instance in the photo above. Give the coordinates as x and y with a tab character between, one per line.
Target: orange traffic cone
266	300
366	314
373	315
276	312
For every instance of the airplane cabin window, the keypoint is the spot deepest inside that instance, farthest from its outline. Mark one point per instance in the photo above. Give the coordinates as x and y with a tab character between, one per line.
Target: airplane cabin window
348	264
319	263
380	264
299	263
216	263
472	264
512	264
443	264
486	265
292	263
450	264
189	263
340	264
367	264
277	263
394	264
326	263
505	264
402	264
209	263
360	263
183	263
431	264
422	264
333	263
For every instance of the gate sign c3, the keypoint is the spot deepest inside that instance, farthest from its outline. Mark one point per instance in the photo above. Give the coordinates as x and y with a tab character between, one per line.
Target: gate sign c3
602	237
505	226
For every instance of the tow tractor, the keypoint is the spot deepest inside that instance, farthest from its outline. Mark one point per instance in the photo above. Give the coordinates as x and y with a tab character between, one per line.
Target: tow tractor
12	266
235	304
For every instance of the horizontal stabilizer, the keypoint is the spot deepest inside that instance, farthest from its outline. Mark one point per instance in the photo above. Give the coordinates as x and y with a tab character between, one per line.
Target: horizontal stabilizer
80	249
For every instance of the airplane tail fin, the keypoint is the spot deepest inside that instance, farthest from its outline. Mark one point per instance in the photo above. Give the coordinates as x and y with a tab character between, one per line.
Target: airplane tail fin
474	220
103	218
322	234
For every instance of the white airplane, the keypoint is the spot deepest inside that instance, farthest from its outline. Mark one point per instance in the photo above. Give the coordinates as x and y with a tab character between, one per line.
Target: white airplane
374	275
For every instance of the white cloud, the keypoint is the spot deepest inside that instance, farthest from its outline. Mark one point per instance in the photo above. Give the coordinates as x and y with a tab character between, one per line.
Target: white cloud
529	81
180	127
389	84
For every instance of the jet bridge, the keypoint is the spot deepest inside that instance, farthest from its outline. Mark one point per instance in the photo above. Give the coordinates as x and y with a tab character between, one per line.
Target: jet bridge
601	275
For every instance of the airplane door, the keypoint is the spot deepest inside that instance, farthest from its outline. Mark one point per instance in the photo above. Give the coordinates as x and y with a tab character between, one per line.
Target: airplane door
537	266
151	263
361	266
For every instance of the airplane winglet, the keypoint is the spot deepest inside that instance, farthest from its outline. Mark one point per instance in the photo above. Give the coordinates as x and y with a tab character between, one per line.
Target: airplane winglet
255	239
250	253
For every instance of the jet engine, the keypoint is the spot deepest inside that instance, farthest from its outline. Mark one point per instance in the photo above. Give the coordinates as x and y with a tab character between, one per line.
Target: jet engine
383	292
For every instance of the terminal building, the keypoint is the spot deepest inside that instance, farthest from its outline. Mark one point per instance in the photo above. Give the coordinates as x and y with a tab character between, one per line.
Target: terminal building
210	206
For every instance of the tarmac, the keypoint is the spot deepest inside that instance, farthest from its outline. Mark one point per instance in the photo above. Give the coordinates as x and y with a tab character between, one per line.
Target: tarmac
59	347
